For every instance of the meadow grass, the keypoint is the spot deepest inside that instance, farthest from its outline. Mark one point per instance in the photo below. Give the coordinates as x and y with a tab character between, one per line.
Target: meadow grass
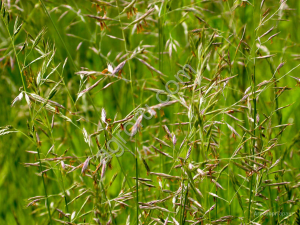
149	112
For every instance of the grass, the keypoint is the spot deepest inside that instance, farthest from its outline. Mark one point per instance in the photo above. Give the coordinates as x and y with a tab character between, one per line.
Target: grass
149	112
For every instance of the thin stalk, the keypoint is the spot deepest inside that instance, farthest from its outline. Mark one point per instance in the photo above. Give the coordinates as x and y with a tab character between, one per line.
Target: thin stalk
62	181
60	37
133	102
137	185
109	206
15	53
185	201
254	116
128	58
42	174
181	200
64	44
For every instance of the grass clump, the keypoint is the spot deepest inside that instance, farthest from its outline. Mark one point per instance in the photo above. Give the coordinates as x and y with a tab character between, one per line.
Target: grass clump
149	112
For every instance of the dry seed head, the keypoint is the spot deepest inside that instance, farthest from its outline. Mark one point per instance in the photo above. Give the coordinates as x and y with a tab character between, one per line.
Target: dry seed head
167	131
174	140
18	98
63	165
103	169
136	126
85	165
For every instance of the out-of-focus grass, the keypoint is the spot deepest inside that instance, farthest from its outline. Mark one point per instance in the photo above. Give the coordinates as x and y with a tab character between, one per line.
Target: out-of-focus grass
230	20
